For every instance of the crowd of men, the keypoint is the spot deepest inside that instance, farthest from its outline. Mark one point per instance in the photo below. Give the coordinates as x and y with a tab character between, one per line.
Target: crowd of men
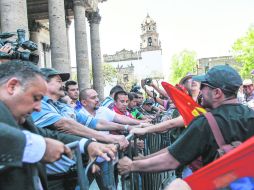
42	109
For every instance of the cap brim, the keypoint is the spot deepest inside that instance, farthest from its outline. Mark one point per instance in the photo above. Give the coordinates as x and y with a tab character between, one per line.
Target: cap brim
199	78
64	76
185	78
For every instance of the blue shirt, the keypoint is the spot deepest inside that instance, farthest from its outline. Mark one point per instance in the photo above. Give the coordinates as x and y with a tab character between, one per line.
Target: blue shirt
108	102
51	112
82	117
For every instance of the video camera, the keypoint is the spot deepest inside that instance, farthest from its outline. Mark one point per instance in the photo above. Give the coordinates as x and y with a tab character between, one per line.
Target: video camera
20	42
147	81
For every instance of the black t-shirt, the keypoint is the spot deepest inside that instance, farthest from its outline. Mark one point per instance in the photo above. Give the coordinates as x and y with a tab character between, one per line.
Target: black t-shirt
236	123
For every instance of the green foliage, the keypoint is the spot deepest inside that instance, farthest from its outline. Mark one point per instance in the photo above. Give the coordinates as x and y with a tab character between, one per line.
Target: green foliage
243	52
183	63
109	73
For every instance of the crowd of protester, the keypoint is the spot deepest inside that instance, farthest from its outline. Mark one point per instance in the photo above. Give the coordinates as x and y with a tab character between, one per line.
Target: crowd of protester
42	109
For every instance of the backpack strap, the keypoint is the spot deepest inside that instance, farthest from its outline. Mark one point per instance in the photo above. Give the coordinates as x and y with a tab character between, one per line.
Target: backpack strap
215	129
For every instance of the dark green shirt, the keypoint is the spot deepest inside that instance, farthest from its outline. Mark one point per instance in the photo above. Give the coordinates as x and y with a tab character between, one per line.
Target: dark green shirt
236	123
135	113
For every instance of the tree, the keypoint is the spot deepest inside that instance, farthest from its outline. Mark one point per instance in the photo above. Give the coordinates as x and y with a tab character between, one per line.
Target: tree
243	52
183	63
109	73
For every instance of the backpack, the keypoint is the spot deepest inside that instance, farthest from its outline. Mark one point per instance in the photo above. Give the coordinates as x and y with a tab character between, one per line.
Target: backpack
223	147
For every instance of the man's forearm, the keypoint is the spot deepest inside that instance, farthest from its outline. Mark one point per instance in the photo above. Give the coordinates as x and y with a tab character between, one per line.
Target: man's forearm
166	125
161	162
160	91
155	154
126	120
73	127
104	125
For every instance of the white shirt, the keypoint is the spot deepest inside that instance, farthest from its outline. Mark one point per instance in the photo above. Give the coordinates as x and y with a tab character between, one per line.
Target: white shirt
102	113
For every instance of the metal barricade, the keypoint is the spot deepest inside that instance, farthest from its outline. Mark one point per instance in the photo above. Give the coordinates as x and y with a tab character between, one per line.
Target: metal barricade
110	166
154	143
150	181
83	181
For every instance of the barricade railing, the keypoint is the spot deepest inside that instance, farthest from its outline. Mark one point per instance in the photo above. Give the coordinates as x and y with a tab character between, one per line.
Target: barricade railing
154	143
133	181
110	166
83	181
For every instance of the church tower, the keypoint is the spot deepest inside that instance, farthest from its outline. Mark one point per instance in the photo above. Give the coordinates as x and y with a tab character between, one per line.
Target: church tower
149	37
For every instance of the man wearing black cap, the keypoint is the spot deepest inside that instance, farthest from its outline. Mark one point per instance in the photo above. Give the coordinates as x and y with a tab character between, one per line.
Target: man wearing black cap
148	106
23	150
51	113
219	88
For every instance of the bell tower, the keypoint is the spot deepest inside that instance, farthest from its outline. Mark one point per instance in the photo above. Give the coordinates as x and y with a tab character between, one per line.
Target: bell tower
149	37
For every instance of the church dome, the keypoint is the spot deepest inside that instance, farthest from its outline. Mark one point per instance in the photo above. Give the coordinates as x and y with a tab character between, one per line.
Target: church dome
148	20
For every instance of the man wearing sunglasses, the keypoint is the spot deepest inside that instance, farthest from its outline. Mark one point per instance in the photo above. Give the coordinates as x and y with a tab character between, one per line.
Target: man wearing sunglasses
219	87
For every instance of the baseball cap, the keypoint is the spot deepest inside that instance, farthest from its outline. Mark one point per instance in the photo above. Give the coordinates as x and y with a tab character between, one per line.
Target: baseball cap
48	72
148	102
184	79
247	82
221	76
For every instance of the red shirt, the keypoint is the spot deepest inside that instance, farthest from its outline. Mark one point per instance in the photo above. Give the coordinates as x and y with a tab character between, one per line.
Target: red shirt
128	114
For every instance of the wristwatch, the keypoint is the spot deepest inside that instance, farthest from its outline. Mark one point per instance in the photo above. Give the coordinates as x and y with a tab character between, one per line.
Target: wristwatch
126	127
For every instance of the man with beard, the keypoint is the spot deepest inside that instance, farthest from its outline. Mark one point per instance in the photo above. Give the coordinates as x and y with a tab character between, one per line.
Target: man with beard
219	88
22	86
90	102
52	117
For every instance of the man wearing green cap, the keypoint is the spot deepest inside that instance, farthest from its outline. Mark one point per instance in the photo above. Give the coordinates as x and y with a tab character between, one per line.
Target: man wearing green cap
219	88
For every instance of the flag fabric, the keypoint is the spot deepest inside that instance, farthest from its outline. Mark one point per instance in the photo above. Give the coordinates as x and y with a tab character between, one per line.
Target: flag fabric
186	106
234	167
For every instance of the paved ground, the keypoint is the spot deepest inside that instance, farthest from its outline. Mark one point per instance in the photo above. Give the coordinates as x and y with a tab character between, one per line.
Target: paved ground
94	185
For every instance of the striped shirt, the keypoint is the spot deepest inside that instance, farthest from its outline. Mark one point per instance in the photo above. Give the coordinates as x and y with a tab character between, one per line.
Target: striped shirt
51	112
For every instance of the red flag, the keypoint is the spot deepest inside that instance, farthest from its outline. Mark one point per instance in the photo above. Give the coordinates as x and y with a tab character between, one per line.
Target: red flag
236	164
186	106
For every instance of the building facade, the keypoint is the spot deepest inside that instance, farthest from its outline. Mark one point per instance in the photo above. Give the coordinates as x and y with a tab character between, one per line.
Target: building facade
146	62
47	23
204	64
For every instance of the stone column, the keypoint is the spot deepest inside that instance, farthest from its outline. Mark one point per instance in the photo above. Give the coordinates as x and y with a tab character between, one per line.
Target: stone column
58	37
68	23
81	45
34	28
98	81
13	16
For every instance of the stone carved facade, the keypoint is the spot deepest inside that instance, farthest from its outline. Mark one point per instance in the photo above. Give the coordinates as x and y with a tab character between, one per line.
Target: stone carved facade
204	64
125	76
93	17
122	55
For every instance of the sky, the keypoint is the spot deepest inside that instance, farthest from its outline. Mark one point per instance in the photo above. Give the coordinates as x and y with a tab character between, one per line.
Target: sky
208	27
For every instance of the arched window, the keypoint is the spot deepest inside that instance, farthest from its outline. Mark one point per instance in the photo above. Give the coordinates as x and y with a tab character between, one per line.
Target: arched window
149	41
